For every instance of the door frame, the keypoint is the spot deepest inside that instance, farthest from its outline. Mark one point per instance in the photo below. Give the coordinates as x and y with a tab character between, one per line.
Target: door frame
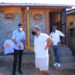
29	47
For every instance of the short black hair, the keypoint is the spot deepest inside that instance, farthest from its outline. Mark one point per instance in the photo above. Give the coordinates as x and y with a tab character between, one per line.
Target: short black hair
20	24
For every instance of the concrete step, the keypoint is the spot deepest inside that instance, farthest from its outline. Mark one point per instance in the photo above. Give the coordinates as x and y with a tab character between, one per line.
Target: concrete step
65	52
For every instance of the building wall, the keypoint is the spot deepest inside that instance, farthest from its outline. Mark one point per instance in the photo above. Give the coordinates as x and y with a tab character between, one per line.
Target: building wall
71	31
55	18
31	22
70	25
70	18
8	25
21	15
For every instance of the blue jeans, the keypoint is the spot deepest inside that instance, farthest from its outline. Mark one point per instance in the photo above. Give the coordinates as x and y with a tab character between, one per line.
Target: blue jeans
56	50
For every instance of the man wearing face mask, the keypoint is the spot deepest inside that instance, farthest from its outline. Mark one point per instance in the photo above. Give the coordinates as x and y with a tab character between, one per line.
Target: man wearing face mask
55	35
41	44
18	37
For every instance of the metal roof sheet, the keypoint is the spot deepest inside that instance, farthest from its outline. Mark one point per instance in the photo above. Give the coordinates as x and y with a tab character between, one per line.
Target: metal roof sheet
32	4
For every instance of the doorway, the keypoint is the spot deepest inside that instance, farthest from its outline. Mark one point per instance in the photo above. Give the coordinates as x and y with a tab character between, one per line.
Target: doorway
54	20
30	23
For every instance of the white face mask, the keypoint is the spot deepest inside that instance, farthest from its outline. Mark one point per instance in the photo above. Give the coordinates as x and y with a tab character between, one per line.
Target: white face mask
21	29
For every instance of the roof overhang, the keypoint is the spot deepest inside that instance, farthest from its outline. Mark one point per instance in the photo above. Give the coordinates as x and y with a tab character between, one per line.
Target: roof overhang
34	5
71	12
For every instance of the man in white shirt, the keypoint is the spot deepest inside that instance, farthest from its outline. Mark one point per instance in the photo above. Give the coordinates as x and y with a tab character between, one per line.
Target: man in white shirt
18	37
41	44
55	35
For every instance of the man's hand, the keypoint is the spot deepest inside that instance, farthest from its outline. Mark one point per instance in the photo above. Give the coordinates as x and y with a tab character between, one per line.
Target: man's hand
21	40
46	47
19	46
49	43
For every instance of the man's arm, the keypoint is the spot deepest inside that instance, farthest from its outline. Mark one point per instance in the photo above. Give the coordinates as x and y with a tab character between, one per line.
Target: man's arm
24	42
62	34
16	43
13	39
62	38
49	43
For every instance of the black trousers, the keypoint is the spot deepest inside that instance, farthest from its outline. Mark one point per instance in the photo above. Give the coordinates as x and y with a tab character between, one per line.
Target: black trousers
17	58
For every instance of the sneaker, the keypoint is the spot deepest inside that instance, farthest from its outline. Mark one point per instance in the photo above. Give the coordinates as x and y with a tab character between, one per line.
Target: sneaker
55	64
58	65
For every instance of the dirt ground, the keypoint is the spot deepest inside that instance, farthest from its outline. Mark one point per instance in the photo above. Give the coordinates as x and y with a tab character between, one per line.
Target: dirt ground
28	66
29	69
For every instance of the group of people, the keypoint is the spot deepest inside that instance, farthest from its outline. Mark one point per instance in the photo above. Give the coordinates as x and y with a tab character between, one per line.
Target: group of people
42	42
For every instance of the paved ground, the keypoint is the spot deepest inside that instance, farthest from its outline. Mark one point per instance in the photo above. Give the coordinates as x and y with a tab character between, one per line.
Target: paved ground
28	67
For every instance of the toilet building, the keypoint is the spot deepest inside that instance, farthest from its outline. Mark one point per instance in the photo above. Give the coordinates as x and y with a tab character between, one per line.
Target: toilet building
43	15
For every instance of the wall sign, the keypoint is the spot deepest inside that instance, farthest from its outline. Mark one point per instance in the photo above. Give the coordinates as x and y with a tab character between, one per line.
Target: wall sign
9	16
38	17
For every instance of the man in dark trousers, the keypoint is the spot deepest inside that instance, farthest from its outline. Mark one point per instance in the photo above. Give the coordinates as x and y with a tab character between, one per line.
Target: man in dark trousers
18	38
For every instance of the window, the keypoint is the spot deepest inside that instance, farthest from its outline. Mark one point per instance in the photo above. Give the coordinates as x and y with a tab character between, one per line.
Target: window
9	16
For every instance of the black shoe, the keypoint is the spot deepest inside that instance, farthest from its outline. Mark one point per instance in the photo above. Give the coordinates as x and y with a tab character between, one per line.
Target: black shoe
20	72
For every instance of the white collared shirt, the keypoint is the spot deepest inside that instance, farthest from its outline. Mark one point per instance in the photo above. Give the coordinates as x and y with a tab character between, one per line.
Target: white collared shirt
56	36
